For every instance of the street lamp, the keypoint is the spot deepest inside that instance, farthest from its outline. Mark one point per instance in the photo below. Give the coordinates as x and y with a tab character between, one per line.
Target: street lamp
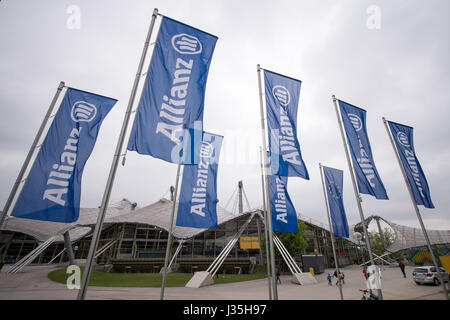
358	236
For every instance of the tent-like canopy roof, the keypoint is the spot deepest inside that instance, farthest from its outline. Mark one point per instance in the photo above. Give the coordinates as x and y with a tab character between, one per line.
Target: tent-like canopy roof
409	237
42	230
156	214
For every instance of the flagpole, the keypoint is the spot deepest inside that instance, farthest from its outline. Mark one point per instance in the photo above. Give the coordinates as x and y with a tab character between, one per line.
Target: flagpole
265	227
169	237
112	173
331	231
357	195
269	213
19	179
416	208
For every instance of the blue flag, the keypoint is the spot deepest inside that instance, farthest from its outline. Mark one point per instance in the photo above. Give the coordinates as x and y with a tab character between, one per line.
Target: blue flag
282	96
197	206
334	186
403	138
284	216
52	189
171	107
369	181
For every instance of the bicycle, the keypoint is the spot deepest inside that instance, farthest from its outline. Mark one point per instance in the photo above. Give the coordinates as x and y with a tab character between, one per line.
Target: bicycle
368	295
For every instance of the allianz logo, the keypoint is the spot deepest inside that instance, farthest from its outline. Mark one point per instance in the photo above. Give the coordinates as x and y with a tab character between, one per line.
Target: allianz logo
83	111
186	44
206	150
403	139
356	121
281	94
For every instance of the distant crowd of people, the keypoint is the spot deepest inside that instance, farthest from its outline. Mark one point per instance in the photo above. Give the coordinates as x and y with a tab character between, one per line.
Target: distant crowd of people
339	278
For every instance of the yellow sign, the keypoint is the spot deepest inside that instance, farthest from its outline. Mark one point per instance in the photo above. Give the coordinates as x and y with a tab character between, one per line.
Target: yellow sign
249	243
445	260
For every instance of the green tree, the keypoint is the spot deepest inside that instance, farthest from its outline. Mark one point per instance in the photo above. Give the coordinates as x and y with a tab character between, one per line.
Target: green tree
294	242
389	238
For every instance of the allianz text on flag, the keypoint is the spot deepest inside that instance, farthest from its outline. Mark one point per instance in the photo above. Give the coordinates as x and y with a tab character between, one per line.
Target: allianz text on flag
334	187
282	96
369	181
198	198
284	217
403	137
172	101
52	189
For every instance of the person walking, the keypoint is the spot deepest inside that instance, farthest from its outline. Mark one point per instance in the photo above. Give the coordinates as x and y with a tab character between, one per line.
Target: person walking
335	275
365	272
401	265
278	276
341	277
329	277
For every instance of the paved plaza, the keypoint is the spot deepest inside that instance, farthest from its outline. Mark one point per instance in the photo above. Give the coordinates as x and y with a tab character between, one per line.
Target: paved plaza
33	283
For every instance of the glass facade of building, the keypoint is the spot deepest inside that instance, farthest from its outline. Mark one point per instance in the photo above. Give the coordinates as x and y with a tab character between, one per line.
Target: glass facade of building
132	241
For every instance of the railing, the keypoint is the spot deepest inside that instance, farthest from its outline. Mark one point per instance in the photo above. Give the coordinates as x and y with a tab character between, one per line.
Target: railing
32	255
105	247
292	265
214	267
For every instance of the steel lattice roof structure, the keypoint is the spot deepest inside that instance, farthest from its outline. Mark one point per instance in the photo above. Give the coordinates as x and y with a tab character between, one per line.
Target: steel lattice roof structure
408	237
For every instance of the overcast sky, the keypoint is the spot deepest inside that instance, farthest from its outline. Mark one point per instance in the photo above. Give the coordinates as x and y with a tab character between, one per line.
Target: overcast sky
388	57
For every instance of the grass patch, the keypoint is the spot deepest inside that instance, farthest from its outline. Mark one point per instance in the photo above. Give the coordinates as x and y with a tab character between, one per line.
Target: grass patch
260	273
101	278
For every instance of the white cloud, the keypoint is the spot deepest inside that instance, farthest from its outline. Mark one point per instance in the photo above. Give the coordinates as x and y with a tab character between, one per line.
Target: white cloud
399	71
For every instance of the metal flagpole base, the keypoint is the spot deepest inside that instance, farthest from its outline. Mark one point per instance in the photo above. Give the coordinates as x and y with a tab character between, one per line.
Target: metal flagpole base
303	278
169	270
200	279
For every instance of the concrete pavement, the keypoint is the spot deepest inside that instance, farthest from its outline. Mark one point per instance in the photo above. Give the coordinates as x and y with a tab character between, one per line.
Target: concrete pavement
33	283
